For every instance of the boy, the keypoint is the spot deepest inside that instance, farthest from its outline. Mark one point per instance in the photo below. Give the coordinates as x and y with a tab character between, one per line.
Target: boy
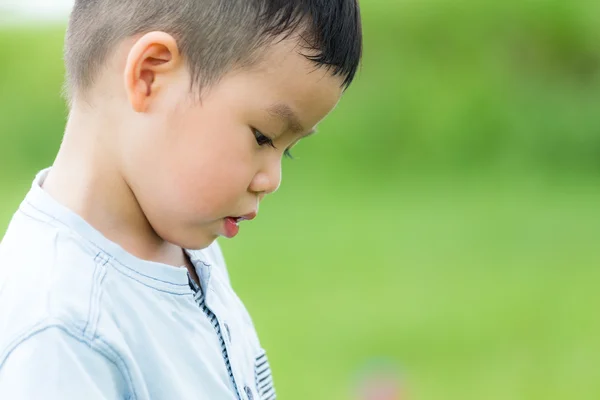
111	283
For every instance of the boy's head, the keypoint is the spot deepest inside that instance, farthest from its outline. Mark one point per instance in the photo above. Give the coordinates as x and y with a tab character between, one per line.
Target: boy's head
199	100
214	36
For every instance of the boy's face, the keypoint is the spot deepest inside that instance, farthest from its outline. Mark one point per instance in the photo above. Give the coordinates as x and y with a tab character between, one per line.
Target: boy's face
194	167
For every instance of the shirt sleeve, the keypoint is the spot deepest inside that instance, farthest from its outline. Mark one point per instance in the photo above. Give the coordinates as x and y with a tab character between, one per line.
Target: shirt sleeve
54	365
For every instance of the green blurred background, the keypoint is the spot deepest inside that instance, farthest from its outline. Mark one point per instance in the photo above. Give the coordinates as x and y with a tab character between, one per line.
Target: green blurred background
445	220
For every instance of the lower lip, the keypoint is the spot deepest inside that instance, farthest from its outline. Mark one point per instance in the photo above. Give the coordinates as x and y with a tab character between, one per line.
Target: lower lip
231	228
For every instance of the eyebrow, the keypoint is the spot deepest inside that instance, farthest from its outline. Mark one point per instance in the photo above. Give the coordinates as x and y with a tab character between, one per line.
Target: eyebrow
285	112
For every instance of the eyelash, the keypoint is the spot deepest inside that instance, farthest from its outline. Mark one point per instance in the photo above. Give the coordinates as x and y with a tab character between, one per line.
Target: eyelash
262	140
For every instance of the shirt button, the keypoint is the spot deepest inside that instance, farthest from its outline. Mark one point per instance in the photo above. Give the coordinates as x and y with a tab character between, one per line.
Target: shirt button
228	332
249	393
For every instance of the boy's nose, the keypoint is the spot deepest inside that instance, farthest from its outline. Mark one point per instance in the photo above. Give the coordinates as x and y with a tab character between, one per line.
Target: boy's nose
267	180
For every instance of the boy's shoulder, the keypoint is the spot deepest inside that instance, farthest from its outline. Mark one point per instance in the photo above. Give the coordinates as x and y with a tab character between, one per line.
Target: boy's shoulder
47	278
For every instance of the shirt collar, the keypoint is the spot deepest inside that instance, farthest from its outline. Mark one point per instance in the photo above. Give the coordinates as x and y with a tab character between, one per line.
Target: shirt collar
157	275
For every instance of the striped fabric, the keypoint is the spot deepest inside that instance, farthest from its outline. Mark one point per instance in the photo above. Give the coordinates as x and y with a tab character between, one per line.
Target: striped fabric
199	298
264	379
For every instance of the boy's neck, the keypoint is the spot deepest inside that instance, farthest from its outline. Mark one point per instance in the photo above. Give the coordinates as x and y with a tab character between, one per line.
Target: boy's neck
86	179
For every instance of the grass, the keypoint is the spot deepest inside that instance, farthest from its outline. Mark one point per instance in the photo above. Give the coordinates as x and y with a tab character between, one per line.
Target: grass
476	291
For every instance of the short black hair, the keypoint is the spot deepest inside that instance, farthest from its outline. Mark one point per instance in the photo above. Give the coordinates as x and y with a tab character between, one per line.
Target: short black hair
214	35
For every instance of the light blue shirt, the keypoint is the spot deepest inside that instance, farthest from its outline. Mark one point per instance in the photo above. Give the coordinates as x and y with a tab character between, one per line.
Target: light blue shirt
80	318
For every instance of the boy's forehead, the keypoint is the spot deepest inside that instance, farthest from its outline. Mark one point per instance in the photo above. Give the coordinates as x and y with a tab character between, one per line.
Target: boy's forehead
291	87
290	55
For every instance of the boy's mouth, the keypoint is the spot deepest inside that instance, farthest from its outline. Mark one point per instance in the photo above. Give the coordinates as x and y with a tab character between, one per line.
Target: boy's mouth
231	224
247	217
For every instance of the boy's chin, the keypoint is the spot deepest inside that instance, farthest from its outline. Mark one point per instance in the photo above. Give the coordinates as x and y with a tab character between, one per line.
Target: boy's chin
194	241
199	244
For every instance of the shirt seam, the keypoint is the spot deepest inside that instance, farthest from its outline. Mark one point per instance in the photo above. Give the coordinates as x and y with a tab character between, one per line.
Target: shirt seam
95	297
97	344
58	224
182	293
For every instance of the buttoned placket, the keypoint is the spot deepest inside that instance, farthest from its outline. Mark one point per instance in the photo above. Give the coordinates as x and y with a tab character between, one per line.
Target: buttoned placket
222	330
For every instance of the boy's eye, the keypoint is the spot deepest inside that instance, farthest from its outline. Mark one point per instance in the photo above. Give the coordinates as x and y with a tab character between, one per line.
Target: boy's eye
262	139
288	154
265	140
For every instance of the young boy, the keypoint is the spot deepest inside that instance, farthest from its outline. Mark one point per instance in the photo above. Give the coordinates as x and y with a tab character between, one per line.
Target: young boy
111	283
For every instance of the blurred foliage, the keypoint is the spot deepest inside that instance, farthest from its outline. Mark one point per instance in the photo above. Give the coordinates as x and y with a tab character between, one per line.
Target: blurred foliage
445	217
478	83
464	84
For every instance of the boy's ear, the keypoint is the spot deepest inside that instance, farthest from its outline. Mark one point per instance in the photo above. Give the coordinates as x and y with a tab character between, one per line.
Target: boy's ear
152	55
